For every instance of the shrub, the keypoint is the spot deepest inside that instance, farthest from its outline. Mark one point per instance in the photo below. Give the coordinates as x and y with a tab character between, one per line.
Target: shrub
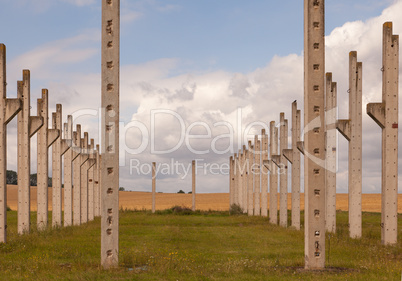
235	209
8	209
180	191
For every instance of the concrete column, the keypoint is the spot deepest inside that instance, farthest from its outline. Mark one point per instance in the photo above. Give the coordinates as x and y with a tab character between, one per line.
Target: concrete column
96	183
193	182
77	161
250	179
231	181
257	177
264	174
240	179
245	181
10	107
60	147
68	175
153	186
293	156
110	133
385	114
281	162
91	167
330	158
84	178
351	129
46	137
236	180
273	177
27	127
314	134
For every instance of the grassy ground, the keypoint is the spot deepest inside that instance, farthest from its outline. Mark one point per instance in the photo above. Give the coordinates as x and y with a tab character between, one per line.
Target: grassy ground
213	246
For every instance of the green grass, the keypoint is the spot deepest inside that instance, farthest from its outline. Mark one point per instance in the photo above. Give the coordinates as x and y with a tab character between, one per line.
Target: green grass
202	246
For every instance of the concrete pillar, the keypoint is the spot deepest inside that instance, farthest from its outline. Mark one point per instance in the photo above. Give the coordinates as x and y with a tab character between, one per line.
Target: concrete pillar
314	134
110	133
385	114
10	107
59	147
27	127
250	179
77	161
236	180
46	137
293	156
153	186
240	179
330	158
91	167
231	181
68	173
245	181
84	178
257	176
281	162
351	129
273	177
264	174
193	182
96	182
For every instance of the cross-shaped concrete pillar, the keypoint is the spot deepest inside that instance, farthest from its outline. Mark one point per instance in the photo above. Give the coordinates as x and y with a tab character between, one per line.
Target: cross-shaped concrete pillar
91	197
257	176
10	109
351	129
27	127
68	172
77	161
59	147
46	137
96	182
250	179
293	156
84	178
330	157
386	115
264	174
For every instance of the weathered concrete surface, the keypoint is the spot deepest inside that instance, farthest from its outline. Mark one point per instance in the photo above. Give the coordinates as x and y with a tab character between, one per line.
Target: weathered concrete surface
27	127
77	175
236	179
283	168
11	107
330	158
59	148
250	179
257	176
264	174
110	133
244	178
68	173
46	137
96	182
193	182
91	165
352	129
293	156
273	176
385	114
314	137
84	177
231	181
240	179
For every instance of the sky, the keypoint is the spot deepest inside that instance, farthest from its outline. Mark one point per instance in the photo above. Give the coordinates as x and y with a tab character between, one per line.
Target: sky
205	69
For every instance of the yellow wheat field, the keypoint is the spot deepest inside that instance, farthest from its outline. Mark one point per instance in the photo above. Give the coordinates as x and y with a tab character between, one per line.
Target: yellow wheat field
204	201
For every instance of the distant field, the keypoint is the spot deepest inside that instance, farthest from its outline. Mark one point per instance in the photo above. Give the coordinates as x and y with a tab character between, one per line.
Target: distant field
204	201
